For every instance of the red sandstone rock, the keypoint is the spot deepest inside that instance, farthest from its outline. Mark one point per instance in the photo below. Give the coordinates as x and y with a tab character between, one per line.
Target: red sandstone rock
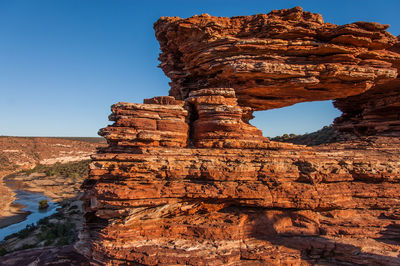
220	122
215	206
277	59
149	124
274	203
375	112
190	181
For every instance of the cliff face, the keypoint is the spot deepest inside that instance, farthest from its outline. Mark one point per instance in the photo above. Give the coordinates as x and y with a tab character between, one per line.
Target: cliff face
187	180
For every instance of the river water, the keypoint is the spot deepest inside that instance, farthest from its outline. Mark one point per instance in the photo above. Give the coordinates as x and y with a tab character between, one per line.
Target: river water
30	201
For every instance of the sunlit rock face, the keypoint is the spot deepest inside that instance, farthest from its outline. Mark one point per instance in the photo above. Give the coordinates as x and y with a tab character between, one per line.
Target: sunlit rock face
187	180
277	59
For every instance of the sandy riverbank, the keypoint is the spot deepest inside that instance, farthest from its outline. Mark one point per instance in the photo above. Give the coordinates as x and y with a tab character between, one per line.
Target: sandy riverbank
7	197
9	213
18	153
57	188
13	219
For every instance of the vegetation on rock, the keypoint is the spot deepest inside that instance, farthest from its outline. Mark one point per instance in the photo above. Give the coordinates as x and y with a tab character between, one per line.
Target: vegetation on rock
58	229
74	170
23	233
6	164
325	135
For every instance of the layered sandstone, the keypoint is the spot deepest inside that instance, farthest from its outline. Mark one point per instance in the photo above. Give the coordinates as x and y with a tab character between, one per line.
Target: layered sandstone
186	179
149	124
273	203
375	112
218	121
277	59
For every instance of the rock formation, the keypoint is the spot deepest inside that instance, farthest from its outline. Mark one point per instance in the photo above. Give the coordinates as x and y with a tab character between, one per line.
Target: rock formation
187	180
64	255
375	112
277	59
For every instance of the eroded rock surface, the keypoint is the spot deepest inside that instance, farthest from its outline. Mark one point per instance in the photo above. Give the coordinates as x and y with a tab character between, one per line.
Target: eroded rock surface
187	180
221	202
64	255
277	59
375	112
218	121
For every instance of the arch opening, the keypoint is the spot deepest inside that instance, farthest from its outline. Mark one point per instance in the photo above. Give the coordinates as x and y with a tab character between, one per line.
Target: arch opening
298	119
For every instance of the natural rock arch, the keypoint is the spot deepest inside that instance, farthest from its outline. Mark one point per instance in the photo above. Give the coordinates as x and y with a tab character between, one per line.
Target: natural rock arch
282	58
186	180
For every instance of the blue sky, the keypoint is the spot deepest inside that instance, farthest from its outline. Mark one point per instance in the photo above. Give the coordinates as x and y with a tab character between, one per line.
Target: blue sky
64	62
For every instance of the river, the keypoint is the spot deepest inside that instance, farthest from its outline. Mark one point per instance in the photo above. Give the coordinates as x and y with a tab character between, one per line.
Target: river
30	203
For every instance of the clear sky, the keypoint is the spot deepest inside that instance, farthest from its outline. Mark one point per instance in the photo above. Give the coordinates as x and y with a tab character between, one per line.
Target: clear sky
64	62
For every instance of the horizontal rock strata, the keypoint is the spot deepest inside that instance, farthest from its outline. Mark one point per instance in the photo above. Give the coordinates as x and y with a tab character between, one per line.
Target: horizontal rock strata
148	124
375	112
186	179
277	59
218	206
217	201
219	122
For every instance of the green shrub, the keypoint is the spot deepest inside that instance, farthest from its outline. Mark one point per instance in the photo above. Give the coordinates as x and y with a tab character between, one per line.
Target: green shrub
24	233
75	170
43	221
43	204
6	164
62	241
3	251
325	135
27	246
58	233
